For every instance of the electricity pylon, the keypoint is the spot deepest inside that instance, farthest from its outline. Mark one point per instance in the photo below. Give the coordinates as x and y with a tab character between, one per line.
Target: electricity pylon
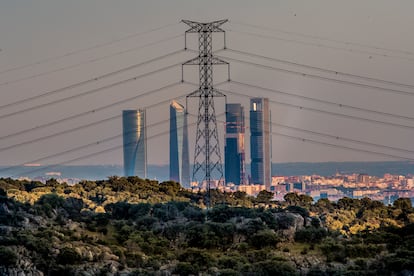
207	157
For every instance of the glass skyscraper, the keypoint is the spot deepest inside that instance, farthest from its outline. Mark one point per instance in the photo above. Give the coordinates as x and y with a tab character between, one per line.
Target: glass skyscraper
234	155
179	155
260	141
135	143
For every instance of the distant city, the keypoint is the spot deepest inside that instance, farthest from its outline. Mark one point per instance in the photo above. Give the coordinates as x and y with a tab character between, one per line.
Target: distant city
384	181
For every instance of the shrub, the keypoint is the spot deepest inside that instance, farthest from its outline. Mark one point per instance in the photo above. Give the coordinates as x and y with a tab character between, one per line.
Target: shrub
68	256
7	256
311	235
263	238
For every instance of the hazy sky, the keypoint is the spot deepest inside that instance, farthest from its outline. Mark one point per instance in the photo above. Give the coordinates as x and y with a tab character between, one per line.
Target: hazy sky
356	39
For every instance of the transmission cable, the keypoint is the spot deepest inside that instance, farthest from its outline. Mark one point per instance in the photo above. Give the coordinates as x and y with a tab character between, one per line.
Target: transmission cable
104	140
343	138
100	141
89	61
100	152
93	111
307	75
106	150
323	38
324	111
93	80
341	146
48	136
340	105
335	72
88	48
319	45
90	91
337	146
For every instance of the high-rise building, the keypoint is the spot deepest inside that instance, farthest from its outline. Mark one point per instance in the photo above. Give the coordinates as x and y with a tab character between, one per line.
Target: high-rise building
135	143
179	155
260	141
234	155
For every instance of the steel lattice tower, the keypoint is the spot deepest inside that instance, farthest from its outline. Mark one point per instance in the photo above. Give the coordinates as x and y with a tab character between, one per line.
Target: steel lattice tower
207	157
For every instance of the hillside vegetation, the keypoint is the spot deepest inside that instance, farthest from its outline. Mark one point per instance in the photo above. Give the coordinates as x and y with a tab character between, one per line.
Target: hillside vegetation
132	226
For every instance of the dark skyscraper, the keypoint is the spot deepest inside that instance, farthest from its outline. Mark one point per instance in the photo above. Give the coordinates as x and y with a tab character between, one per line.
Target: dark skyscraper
179	155
260	141
135	143
234	156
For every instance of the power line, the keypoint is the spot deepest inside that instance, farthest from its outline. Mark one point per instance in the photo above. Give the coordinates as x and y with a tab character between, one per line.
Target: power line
307	75
92	80
101	152
323	38
89	91
338	146
335	72
88	48
93	111
340	105
48	136
305	140
89	61
100	141
344	138
326	112
349	50
104	140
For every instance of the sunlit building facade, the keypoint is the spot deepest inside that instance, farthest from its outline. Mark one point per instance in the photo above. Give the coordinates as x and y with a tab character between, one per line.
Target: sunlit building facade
179	154
134	143
260	141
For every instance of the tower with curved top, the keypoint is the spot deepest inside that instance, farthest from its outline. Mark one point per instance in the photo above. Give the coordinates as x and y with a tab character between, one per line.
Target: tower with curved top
179	155
134	143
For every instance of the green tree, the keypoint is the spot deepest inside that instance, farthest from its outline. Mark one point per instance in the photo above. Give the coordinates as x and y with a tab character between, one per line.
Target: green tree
305	200
264	196
263	238
170	188
403	203
347	203
68	256
323	205
292	198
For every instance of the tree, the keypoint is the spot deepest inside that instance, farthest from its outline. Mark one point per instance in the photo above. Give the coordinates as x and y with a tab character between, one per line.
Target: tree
68	256
53	200
292	198
305	200
170	188
264	196
263	238
323	205
347	203
403	203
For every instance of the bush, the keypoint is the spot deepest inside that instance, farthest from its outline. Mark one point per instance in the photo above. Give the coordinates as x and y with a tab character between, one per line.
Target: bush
185	268
68	256
263	238
7	256
310	235
200	259
273	267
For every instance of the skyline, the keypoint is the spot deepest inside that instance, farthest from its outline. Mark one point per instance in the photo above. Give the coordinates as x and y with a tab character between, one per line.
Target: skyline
42	39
